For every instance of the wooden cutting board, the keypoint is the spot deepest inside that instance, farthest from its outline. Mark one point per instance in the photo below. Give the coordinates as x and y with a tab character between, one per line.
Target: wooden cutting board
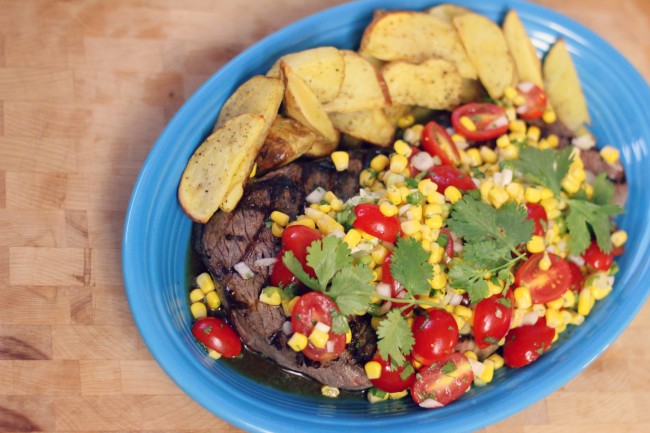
86	86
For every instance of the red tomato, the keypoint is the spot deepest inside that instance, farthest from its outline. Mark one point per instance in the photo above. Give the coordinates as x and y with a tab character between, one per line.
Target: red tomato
577	278
372	221
397	291
311	308
537	213
449	248
597	259
437	142
436	336
490	120
217	335
295	239
446	175
492	319
442	382
527	343
393	379
535	103
544	286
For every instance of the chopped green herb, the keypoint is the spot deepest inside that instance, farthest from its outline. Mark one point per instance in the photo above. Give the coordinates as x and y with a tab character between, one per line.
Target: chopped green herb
395	337
448	368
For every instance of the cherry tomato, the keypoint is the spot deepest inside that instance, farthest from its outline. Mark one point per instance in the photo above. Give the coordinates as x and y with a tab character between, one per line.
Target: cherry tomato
544	286
436	336
537	213
577	278
217	335
295	239
490	120
372	221
449	247
396	289
311	308
443	381
446	175
527	343
597	259
492	319
535	99
392	378
437	142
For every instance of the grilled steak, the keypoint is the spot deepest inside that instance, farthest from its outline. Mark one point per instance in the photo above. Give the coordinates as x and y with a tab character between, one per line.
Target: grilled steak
242	236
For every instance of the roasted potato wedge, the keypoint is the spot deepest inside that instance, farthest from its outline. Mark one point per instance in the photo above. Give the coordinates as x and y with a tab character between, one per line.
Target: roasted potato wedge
396	111
259	95
363	86
323	69
322	147
446	12
302	105
434	84
287	140
372	126
208	176
563	87
527	63
414	37
487	49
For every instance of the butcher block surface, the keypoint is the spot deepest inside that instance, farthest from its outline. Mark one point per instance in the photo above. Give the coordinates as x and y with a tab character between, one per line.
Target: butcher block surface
86	86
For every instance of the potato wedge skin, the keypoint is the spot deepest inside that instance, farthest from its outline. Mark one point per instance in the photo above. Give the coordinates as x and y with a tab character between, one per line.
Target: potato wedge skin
563	87
258	95
434	84
363	86
447	11
527	62
372	126
322	68
487	49
208	175
287	140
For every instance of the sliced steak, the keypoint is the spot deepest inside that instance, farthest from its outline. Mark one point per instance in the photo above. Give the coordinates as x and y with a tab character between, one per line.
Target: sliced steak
242	236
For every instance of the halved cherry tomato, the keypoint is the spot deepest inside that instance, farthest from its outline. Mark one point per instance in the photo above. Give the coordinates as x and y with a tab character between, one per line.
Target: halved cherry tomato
436	335
527	343
490	120
437	142
392	378
535	99
449	246
492	319
370	219
442	382
311	308
597	259
544	286
295	239
577	277
217	335
537	213
446	175
396	289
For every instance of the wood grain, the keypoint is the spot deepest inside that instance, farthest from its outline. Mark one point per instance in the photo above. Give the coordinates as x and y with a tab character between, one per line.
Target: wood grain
86	87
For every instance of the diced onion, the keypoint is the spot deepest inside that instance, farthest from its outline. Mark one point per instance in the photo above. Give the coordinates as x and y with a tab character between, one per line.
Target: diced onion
430	403
530	318
477	367
578	260
337	234
422	161
584	142
329	346
507	175
316	195
383	289
404	209
243	270
261	263
287	329
456	299
525	86
322	327
500	121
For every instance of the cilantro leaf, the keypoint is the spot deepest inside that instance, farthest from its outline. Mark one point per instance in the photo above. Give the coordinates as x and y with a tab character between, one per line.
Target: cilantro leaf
604	190
327	257
513	220
546	167
339	323
410	266
489	252
352	289
395	337
448	368
470	278
584	215
294	265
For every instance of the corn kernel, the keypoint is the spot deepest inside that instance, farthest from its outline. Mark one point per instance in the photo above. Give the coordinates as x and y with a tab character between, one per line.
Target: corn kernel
523	299
341	160
352	238
326	224
318	338
337	204
326	208
379	163
411	227
435	256
485	189
600	293
388	209
277	230
431	210
549	116
449	309
453	194
535	244
212	300
198	310
498	196
307	222
546	194
457	138
196	295
610	154
280	218
571	184
510	93
518	126
436	198
488	371
415	213
464	312
497	360
439	281
532	195
467	123
533	133
544	263
503	141
398	163
373	370
519	100
568	299
435	222
378	254
205	283
413	134
511	113
297	341
474	157
460	322
518	317
618	238
555	337
494	289
271	296
576	319
510	152
405	121
556	303
488	155
393	194
585	302
553	318
367	177
402	148
515	191
426	187
553	214
470	355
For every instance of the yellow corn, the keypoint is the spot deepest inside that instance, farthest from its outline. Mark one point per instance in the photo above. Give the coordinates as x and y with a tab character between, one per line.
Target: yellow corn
435	256
410	227
198	310
405	121
497	360
213	300
439	281
307	222
341	160
618	238
205	283
453	194
535	244
280	218
401	148
515	191
498	196
318	338
366	236
553	318
379	163
533	133
474	157
436	198
610	154
352	238
510	93
326	224
518	317
494	289
297	341
510	152
488	155
367	177
467	123
576	319
415	213
373	369
426	187
398	163
393	194
532	195
196	295
413	134
488	371
519	100
464	312
503	141
600	293
549	115
518	126
326	208
398	395
523	299
434	222
585	302
485	189
337	204
378	253
571	184
277	230
556	303
470	355
457	138
544	263
568	299
271	296
511	113
388	209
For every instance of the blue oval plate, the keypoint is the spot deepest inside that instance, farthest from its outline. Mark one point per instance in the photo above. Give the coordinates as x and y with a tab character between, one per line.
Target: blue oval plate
157	233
